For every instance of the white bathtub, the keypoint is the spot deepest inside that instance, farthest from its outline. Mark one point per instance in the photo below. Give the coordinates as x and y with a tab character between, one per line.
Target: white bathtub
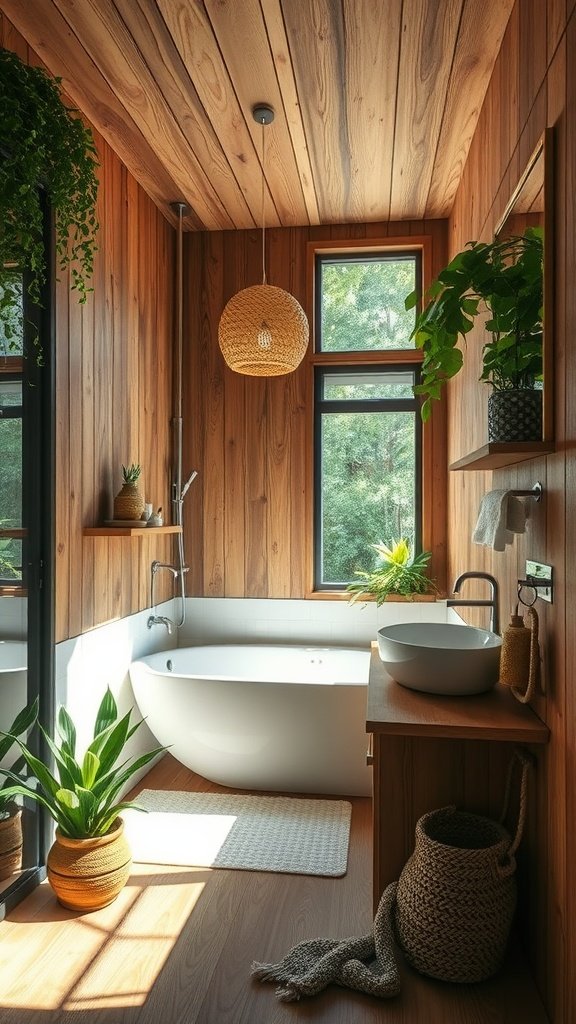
13	685
286	719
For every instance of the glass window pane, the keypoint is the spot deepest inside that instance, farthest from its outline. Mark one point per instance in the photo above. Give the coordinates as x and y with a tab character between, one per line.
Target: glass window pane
11	325
361	386
10	393
10	560
367	488
362	303
10	473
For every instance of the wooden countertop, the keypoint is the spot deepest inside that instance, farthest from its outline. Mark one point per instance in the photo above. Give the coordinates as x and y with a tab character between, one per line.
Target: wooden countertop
496	715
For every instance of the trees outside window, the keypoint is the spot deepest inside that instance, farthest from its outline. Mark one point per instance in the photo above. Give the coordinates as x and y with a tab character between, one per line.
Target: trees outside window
367	440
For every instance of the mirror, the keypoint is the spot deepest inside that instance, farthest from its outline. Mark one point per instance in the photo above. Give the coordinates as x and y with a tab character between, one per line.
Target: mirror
531	205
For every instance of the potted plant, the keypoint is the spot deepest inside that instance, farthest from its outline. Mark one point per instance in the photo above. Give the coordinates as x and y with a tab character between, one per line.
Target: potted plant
502	280
10	812
42	143
129	502
89	862
398	573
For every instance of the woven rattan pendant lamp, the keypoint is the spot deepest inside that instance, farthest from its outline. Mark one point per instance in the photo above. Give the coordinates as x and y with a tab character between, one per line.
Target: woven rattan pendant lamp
263	330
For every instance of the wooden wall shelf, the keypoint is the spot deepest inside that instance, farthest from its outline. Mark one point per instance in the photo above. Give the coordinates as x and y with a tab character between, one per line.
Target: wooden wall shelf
497	454
128	531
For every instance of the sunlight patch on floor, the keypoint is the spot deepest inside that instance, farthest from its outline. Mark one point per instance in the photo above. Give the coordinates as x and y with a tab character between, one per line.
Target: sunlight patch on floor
85	956
144	939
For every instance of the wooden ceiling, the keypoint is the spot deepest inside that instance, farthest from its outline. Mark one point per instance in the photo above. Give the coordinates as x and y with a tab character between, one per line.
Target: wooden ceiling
376	100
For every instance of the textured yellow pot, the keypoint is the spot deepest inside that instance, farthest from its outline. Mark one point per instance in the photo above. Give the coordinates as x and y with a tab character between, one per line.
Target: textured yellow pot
11	844
87	874
128	503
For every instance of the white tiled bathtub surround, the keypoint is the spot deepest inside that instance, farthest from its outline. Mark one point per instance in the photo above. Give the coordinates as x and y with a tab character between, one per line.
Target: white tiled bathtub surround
87	664
13	618
251	620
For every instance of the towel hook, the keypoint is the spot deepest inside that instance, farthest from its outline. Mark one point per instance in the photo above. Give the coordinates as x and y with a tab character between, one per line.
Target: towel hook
535	492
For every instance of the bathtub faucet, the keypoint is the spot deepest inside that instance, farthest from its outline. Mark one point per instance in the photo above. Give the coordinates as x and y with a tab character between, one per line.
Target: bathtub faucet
160	620
156	565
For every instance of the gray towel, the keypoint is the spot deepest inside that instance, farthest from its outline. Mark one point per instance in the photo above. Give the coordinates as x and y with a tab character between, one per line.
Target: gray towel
366	964
501	516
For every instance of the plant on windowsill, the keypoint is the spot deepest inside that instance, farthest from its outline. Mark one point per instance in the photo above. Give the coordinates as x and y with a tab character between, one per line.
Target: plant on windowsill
399	574
90	859
42	144
504	280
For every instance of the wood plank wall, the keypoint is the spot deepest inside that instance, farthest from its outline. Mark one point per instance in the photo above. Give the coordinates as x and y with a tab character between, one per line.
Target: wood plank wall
246	520
113	398
533	86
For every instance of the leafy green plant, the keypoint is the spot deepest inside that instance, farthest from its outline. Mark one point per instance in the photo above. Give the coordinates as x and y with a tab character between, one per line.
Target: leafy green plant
22	723
83	800
399	573
503	280
131	473
43	143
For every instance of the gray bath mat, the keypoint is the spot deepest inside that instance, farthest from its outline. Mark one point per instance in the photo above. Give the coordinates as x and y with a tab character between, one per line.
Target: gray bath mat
250	833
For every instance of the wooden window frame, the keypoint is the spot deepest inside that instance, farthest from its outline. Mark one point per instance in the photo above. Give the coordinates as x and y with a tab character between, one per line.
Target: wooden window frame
433	509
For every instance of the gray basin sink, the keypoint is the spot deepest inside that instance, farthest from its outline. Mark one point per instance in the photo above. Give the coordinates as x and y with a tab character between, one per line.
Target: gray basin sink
441	657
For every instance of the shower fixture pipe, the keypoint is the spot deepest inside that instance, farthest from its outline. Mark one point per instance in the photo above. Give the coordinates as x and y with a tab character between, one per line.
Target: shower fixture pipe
179	491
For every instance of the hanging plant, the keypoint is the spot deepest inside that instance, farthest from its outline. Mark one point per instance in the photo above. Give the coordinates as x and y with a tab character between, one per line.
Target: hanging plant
42	143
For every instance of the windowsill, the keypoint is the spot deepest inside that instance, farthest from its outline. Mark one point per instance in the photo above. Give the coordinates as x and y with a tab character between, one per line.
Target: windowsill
12	591
343	595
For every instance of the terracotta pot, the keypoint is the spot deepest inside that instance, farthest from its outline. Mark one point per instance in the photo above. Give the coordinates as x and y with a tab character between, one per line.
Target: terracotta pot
128	503
11	843
87	874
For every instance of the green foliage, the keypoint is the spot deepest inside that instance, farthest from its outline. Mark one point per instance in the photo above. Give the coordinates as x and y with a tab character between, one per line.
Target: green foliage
42	143
363	304
368	486
20	726
398	573
503	279
83	800
131	473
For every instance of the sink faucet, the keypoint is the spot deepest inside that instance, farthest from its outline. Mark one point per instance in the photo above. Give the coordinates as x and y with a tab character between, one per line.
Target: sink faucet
160	620
493	603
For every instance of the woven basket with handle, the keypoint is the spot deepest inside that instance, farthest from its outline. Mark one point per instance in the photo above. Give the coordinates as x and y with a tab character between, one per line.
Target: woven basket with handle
456	894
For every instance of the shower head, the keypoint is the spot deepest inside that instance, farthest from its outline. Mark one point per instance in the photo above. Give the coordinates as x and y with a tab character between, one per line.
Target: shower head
190	480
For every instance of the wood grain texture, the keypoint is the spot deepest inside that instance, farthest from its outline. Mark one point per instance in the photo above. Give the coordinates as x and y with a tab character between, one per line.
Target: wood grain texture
113	374
524	98
253	437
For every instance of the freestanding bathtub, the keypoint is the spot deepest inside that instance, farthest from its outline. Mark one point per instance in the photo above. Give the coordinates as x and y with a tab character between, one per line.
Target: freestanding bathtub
287	719
13	686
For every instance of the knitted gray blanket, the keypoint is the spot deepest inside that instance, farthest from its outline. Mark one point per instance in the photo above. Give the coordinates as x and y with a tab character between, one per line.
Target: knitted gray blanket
366	964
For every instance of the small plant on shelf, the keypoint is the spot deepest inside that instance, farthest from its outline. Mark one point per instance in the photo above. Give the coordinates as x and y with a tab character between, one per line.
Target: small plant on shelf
129	502
399	573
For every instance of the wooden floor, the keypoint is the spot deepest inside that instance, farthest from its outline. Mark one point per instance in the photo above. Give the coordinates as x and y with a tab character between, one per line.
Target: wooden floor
177	944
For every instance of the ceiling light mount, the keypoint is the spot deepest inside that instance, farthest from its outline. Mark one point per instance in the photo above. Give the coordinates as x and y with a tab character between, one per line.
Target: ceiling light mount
263	113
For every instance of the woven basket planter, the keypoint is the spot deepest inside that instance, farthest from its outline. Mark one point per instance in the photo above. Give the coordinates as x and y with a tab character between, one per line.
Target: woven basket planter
128	503
515	416
11	844
87	874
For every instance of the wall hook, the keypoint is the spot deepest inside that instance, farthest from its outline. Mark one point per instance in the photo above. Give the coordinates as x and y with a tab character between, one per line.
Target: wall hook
535	492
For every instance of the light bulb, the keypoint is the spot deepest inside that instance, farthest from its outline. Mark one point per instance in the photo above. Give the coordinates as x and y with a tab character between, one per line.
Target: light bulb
264	336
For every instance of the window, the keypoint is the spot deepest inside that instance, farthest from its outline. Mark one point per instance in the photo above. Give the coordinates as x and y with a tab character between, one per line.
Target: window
11	532
367	426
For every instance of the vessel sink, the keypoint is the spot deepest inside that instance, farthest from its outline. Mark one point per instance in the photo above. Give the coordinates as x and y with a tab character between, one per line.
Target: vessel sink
441	657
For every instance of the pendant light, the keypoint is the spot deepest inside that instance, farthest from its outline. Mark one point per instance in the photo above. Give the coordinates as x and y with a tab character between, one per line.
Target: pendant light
263	330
